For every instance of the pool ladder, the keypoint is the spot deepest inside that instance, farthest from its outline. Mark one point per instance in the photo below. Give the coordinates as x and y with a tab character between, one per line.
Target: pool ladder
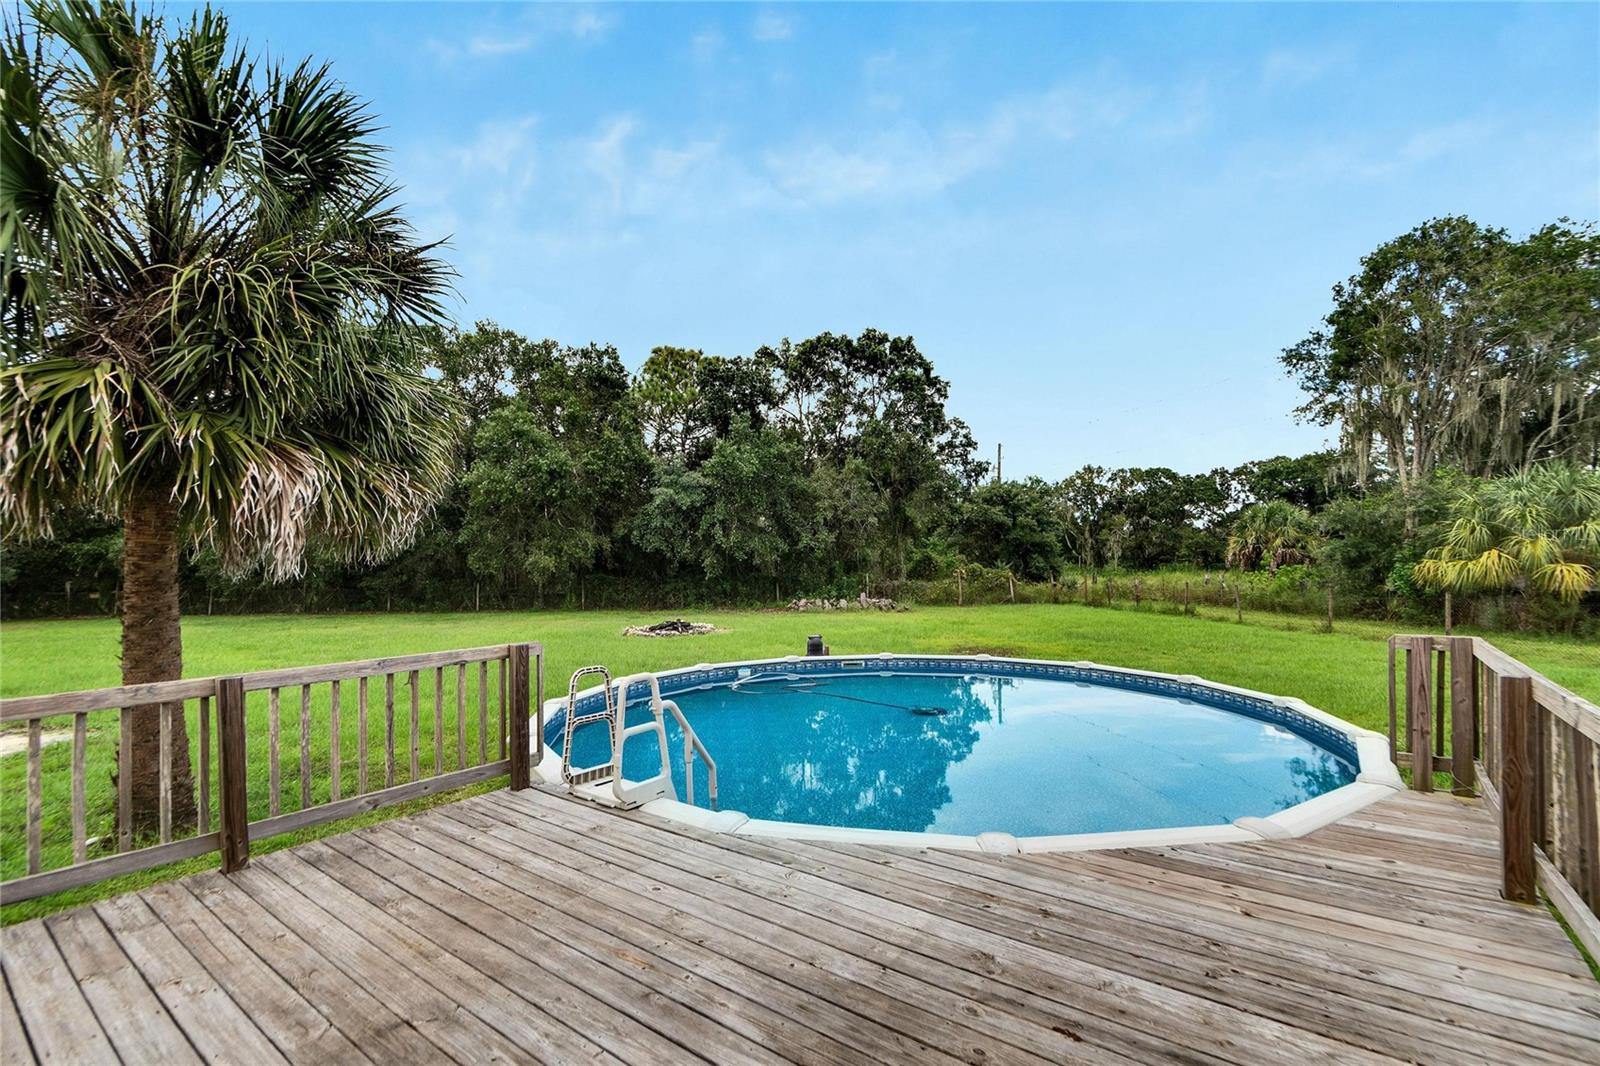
604	782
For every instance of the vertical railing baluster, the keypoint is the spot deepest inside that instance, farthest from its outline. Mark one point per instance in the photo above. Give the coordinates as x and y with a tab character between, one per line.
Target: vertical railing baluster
500	676
305	746
416	722
1441	692
461	716
388	731
1588	881
1480	708
1394	730
274	778
35	795
483	711
1541	774
125	779
538	703
361	736
80	829
1463	714
1491	724
1419	711
205	764
164	798
438	719
333	742
1564	798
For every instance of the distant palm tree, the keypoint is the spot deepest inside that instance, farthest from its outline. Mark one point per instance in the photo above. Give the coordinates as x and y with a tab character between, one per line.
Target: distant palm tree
1275	532
207	298
1539	530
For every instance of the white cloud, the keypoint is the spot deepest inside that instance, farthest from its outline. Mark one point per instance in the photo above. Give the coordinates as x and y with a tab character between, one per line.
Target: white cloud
909	159
1429	144
771	26
1284	67
605	156
535	25
509	189
500	147
881	79
706	44
587	23
1372	159
489	45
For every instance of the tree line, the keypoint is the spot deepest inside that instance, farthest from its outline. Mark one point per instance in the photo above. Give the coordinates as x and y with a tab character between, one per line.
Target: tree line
827	466
830	466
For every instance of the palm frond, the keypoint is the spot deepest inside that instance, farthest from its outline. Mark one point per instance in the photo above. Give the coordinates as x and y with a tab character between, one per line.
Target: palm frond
213	290
1565	580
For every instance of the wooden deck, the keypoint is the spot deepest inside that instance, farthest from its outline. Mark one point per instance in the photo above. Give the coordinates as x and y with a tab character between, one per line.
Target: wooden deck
529	927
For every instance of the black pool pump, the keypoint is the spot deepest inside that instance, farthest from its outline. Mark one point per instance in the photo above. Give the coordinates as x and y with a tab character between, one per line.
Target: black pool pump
814	645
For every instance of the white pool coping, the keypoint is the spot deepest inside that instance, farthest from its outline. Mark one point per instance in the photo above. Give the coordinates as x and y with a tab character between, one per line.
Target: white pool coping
1376	779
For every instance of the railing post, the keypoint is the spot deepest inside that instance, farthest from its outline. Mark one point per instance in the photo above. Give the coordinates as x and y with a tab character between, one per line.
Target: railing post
1419	711
233	822
520	778
1463	714
1516	789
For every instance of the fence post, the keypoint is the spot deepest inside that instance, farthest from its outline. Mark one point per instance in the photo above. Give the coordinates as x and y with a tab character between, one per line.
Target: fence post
233	815
1419	711
1463	714
519	717
1516	789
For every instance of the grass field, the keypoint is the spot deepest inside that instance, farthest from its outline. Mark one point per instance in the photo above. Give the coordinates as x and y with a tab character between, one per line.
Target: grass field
1342	672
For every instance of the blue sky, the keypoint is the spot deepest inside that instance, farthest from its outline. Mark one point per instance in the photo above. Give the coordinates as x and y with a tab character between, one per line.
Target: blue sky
1102	223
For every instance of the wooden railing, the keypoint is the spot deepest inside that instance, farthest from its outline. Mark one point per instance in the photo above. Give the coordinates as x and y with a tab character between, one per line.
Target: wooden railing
236	728
1528	746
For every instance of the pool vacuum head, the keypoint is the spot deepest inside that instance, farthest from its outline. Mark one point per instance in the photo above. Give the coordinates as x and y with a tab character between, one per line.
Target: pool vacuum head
930	712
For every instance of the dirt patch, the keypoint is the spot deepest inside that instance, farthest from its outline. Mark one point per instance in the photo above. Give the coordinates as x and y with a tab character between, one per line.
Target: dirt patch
15	740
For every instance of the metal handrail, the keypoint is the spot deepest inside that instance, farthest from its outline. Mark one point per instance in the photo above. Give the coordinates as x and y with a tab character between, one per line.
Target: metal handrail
692	745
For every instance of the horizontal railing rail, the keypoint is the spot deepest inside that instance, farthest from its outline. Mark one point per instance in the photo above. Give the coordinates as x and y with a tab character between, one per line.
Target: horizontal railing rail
1528	746
364	735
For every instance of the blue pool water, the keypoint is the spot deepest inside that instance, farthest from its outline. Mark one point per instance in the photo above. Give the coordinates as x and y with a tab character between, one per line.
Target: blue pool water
979	752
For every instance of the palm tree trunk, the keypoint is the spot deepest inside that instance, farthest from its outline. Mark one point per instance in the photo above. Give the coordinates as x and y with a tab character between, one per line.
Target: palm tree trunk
152	650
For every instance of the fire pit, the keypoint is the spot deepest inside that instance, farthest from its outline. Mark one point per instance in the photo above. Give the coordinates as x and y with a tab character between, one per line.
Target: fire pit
675	627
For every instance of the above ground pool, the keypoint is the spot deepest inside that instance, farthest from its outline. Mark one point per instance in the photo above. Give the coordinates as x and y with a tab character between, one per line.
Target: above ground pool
963	747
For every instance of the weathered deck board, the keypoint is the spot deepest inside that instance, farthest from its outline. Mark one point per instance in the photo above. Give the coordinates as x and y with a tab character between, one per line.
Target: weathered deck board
529	927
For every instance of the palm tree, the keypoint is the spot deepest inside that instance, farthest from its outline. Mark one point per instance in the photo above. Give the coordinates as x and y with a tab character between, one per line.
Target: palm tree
1538	530
208	294
1275	532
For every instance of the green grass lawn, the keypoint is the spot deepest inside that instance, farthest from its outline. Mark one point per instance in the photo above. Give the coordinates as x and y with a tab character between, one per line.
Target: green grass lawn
1342	672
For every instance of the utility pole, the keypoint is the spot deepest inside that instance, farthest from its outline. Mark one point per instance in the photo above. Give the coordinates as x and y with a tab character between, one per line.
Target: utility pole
998	451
